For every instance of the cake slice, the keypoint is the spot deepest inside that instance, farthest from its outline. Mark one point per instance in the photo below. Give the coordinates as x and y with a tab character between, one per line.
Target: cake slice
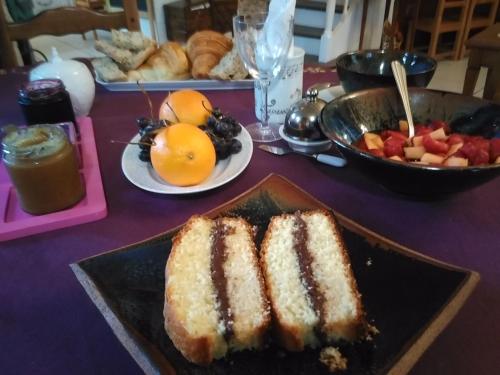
214	295
309	281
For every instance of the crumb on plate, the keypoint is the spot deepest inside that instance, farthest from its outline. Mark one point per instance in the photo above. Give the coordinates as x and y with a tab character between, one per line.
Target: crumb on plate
333	359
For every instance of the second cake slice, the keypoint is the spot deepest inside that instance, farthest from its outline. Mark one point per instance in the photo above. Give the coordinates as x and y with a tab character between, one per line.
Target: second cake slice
309	281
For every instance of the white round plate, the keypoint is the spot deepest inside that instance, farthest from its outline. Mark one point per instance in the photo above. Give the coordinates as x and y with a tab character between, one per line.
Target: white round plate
142	174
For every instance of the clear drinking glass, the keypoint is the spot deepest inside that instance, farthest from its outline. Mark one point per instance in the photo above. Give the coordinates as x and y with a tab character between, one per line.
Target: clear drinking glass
264	54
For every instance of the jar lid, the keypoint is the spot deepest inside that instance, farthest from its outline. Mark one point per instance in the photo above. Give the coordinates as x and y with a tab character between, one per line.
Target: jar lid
42	89
34	142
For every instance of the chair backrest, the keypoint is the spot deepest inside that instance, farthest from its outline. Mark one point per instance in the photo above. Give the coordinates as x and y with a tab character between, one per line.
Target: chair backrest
222	12
62	21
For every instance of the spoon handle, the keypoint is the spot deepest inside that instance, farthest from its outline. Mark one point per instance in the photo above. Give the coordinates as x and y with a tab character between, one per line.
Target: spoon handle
400	77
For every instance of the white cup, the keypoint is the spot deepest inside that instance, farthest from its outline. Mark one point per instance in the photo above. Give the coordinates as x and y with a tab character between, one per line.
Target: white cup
283	92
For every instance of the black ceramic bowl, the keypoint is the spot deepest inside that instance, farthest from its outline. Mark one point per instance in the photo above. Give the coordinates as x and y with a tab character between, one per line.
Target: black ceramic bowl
372	68
345	119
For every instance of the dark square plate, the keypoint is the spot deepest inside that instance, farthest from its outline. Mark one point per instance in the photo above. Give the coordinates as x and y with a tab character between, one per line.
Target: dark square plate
409	297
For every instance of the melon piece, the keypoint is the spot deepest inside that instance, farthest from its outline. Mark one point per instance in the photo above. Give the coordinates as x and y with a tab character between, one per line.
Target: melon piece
455	161
414	152
431	158
373	141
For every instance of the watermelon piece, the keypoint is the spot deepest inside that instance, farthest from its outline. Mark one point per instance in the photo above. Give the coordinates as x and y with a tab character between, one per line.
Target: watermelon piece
494	149
393	146
480	142
468	151
377	152
482	157
455	139
440	124
433	146
422	129
393	133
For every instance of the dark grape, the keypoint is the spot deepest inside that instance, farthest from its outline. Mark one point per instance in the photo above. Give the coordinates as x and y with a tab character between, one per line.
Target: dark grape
147	130
142	122
144	155
145	142
217	113
222	128
211	121
236	129
222	148
235	146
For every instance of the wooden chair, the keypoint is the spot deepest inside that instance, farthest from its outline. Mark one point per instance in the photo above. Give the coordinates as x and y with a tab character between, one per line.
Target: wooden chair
221	13
62	21
440	23
478	21
484	52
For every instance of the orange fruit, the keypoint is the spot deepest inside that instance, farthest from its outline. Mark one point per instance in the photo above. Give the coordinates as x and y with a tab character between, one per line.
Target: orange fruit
186	106
183	154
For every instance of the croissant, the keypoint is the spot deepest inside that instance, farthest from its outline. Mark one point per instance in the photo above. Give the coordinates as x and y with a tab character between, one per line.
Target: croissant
168	63
205	49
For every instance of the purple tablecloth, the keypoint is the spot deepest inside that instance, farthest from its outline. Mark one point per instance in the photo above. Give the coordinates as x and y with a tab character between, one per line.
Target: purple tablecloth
48	325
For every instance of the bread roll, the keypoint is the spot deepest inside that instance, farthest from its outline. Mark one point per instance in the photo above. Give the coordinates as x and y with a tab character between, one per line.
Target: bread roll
132	40
230	67
205	49
107	70
125	58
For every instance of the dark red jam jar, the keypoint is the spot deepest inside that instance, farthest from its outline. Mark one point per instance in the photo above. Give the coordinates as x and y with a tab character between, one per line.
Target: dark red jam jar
46	101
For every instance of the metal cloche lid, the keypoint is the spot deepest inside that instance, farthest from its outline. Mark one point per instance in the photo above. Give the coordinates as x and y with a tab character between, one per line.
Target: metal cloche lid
302	119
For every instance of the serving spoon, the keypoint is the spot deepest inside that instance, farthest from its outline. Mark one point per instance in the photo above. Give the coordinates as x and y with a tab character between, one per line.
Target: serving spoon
399	72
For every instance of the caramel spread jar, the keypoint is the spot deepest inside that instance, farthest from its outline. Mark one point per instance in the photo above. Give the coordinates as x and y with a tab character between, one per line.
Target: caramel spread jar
43	168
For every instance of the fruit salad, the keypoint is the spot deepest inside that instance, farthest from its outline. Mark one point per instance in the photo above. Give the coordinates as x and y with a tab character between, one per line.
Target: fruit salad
433	144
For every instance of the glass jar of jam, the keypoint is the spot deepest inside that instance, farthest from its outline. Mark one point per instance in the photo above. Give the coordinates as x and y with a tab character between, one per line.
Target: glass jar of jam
43	168
46	101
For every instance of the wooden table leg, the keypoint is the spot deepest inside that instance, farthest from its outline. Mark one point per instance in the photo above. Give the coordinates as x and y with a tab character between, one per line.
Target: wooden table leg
473	68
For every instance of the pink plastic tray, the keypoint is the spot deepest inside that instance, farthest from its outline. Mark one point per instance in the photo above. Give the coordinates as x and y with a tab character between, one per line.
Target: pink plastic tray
16	223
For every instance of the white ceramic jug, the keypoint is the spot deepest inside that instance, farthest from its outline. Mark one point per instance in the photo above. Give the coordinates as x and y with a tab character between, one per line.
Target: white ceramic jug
75	76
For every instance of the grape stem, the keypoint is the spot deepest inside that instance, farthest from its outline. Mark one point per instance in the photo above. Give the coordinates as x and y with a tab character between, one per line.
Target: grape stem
204	106
169	106
147	98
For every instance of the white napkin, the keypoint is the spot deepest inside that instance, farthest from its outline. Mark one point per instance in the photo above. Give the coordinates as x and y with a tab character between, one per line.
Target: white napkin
276	32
